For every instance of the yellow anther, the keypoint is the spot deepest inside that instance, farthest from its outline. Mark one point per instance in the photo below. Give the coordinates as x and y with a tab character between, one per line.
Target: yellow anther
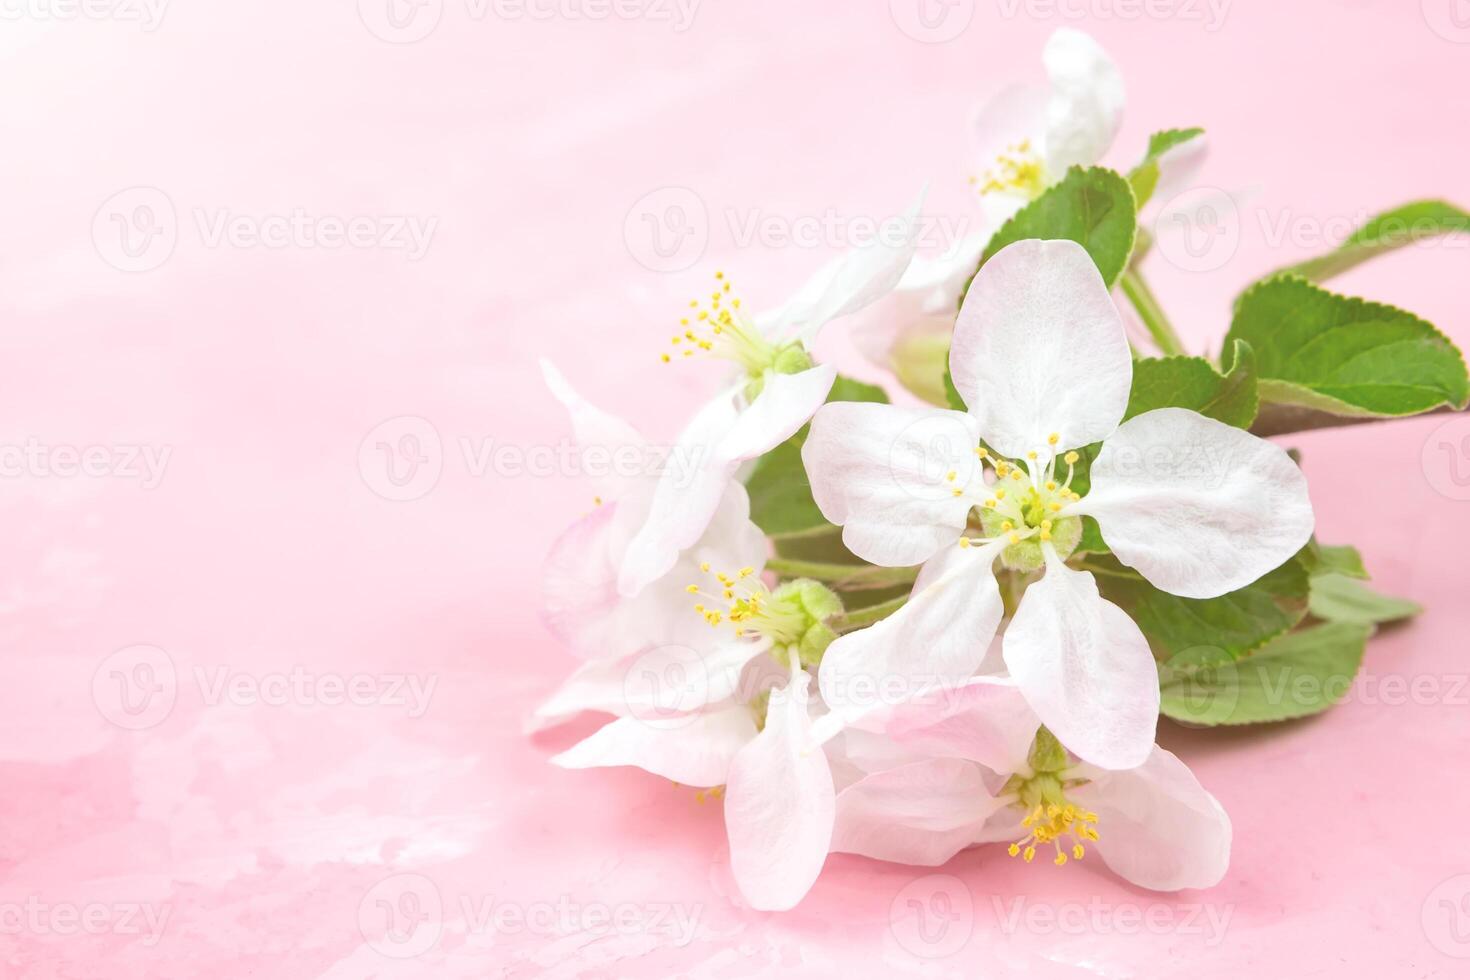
964	542
665	358
1015	538
1031	456
957	492
951	476
1071	458
990	504
1053	439
1007	526
747	571
1013	850
597	501
1051	484
719	274
982	452
1028	854
1000	495
1061	859
692	589
1046	525
1078	851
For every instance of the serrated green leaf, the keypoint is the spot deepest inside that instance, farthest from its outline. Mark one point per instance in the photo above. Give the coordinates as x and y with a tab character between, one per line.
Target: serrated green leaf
1092	207
1349	357
780	493
1382	233
1340	599
1293	676
1232	624
1193	382
1144	178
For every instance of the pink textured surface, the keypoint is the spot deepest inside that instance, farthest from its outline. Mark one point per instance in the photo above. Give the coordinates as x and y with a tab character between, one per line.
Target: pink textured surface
233	835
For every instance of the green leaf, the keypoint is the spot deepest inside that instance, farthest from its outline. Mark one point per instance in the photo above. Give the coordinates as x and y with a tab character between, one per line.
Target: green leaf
1144	178
1384	233
1342	559
1193	382
1340	599
1229	626
1349	357
1293	676
1092	207
780	493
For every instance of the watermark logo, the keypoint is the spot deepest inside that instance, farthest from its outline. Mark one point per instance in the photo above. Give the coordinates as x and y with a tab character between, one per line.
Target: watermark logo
667	230
1450	19
932	21
39	918
1198	230
402	458
136	687
401	916
933	917
1445	917
1446	459
148	14
1204	682
1209	14
665	687
136	230
1098	917
400	21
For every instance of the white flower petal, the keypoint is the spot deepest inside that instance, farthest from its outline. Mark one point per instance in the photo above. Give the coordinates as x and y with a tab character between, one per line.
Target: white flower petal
1086	669
1086	106
860	278
785	404
986	720
659	685
882	471
931	645
779	805
1157	826
595	429
1199	507
1039	348
698	752
695	477
923	813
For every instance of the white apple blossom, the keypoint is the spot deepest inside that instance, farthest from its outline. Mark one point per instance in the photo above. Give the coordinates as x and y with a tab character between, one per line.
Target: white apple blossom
976	767
1025	139
1197	507
776	393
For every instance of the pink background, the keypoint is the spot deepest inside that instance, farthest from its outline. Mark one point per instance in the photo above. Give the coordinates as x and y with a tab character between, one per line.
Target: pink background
275	837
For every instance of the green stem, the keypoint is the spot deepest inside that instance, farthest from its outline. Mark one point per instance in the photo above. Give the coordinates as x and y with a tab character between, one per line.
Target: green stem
844	576
820	531
1151	313
859	618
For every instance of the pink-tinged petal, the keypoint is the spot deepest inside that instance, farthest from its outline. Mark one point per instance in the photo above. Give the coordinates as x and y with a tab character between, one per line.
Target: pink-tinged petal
866	274
930	646
1199	507
882	471
596	430
582	603
987	720
695	477
923	813
659	685
697	751
1086	106
1085	668
785	404
1157	826
779	805
704	460
1039	349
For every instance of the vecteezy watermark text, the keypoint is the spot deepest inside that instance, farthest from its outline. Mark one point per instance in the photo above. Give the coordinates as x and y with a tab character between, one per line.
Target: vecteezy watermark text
40	918
38	460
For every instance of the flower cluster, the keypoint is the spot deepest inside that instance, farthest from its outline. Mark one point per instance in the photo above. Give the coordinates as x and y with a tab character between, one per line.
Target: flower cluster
940	660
